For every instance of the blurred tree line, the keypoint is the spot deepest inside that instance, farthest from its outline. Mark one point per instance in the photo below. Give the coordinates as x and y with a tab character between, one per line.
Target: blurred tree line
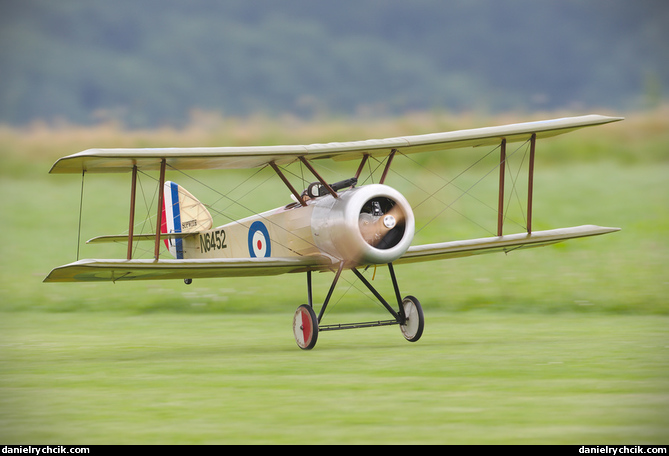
151	62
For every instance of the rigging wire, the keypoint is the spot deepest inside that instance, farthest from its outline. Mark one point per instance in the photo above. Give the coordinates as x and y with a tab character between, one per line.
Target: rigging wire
223	196
514	189
467	190
451	182
236	187
372	171
149	213
151	216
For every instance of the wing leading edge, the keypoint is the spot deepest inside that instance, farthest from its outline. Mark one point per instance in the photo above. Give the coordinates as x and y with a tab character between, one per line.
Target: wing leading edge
123	160
130	270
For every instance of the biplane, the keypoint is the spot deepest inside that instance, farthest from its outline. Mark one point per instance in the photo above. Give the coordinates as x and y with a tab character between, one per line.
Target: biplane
329	226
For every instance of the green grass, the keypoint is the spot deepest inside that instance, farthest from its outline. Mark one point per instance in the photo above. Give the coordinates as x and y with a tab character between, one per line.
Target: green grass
483	378
563	344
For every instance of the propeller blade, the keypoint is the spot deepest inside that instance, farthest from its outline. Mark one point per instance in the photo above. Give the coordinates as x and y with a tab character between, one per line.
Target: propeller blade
374	228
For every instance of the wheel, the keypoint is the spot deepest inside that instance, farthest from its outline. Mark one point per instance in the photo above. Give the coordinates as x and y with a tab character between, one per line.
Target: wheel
305	327
415	321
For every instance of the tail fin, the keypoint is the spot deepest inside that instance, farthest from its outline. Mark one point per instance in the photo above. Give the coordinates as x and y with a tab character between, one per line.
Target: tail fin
182	213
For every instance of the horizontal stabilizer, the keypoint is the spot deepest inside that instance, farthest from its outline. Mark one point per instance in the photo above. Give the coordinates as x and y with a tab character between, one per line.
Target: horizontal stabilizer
506	244
137	237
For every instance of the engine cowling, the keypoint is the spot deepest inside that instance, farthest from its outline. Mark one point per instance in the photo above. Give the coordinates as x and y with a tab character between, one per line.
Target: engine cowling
372	224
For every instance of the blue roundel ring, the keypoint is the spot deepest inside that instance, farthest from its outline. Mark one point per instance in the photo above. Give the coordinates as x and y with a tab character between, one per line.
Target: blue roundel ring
259	243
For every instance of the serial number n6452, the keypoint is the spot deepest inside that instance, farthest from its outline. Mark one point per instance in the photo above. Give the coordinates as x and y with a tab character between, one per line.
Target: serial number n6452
212	240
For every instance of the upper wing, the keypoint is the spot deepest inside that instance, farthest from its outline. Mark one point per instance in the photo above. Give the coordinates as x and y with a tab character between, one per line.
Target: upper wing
117	270
507	243
122	160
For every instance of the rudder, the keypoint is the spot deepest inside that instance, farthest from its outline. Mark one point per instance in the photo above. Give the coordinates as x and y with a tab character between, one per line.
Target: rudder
182	213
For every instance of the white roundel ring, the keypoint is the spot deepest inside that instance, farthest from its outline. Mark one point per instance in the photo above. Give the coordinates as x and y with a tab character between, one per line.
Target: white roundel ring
259	244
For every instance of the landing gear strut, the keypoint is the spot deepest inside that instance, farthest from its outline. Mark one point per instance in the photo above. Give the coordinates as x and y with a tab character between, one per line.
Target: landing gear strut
409	316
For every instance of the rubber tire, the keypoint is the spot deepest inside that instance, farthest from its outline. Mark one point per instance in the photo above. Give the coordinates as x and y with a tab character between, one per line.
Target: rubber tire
305	317
412	330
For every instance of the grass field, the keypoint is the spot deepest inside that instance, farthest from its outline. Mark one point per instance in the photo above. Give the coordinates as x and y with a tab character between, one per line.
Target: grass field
488	378
564	344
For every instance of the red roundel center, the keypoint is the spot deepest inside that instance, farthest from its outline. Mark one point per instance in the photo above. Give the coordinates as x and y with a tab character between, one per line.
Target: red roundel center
259	244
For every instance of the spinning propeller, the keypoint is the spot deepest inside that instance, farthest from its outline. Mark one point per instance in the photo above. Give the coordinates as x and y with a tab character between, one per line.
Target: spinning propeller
375	227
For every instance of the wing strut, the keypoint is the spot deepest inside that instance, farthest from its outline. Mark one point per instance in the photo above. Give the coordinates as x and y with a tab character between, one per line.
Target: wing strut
288	184
530	185
500	203
81	209
318	176
133	193
362	164
159	217
387	168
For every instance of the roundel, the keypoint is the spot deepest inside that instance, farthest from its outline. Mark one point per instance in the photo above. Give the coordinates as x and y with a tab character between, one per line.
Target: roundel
259	243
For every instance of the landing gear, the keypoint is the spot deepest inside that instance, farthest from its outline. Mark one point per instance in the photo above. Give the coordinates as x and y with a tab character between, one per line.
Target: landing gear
409	317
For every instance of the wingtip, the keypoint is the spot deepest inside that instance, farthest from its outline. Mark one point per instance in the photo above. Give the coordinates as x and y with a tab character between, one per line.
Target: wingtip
609	119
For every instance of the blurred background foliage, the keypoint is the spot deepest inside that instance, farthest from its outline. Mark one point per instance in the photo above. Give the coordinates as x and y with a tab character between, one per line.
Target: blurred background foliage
152	62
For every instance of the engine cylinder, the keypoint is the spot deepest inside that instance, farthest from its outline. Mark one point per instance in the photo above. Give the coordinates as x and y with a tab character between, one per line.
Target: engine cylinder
372	224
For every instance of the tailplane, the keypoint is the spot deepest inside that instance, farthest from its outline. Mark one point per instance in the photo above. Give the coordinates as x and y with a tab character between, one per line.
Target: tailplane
182	213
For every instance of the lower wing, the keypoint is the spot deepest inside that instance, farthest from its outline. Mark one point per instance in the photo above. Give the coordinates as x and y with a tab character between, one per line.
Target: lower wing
508	243
128	270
